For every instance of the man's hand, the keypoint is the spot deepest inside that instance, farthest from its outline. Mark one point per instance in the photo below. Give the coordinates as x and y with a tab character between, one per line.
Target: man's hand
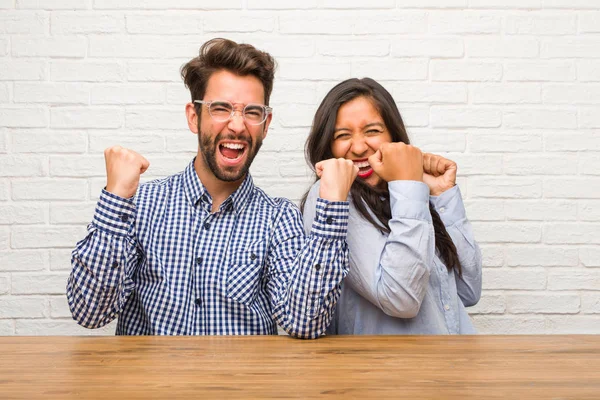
398	161
439	173
337	175
123	170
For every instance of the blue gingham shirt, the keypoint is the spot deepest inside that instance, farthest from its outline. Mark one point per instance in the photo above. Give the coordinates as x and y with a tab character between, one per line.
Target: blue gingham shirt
165	265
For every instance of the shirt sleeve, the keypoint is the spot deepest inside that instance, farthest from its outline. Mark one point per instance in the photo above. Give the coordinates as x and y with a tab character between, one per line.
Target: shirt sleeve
451	209
103	263
306	270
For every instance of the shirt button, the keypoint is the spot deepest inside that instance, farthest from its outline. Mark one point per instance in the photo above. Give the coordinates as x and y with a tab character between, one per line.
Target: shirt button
329	220
446	307
317	266
199	260
198	302
442	209
124	217
253	256
206	226
115	264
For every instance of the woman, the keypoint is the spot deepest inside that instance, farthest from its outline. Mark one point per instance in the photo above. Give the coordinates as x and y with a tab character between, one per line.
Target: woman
414	265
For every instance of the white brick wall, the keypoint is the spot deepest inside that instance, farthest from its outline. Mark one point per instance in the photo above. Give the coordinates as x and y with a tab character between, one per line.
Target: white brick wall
510	89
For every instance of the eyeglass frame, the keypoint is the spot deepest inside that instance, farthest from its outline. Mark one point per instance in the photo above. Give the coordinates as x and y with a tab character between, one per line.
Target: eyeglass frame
268	110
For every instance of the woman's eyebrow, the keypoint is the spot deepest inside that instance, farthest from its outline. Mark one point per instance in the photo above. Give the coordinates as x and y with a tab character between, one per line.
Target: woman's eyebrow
379	124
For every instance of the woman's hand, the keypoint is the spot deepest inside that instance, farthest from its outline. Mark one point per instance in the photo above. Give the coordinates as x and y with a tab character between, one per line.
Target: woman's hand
398	161
439	173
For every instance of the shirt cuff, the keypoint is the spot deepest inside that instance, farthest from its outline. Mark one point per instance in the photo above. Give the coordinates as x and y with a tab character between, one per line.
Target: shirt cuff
450	206
331	219
114	214
409	199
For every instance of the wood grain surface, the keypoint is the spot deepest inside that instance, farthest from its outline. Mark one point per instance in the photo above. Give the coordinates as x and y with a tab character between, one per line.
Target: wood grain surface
350	367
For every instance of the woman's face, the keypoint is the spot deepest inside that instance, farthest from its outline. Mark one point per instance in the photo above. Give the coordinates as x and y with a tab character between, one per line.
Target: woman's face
359	132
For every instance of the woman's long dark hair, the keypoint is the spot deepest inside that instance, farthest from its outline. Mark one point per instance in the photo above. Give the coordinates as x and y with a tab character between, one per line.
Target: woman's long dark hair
318	148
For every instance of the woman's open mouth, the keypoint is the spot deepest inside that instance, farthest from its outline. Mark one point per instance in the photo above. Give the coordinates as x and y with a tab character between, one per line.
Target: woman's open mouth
364	168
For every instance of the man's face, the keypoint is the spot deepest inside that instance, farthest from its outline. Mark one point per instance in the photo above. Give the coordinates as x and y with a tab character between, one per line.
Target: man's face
228	148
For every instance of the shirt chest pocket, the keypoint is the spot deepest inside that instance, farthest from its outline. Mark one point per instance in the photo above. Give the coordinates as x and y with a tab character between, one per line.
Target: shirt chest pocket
245	272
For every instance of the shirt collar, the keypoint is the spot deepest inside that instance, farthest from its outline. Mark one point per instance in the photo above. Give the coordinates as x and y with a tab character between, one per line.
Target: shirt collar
196	191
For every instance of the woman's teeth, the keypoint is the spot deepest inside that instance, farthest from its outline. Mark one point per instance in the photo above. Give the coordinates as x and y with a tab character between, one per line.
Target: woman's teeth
362	164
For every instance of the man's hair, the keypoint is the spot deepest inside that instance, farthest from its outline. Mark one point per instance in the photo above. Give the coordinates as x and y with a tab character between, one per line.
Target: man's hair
223	54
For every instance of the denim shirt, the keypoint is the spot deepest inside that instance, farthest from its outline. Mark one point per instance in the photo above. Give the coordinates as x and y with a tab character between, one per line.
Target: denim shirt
396	283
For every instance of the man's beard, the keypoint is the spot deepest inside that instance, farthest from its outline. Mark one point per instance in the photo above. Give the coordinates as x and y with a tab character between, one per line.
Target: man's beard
208	148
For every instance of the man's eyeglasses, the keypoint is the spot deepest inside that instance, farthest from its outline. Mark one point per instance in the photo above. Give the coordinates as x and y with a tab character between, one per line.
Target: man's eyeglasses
223	111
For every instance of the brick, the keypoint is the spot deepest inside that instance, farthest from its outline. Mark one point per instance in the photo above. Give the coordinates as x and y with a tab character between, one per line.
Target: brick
571	4
49	189
353	48
234	22
71	213
527	303
22	214
589	21
59	307
541	24
128	94
20	166
469	71
4	284
152	118
294	70
280	5
140	46
574	141
500	4
22	307
146	142
54	4
46	237
485	210
460	22
54	283
3	144
290	93
83	117
589	210
296	115
286	47
386	69
489	304
164	166
538	118
24	117
509	324
415	116
540	165
4	5
589	164
494	47
165	24
32	327
572	324
57	46
161	5
56	93
514	279
582	47
553	71
590	303
399	23
7	326
438	140
506	142
60	259
572	233
430	92
541	210
4	237
476	164
84	71
24	260
47	141
64	23
493	256
507	232
287	140
154	71
572	188
589	117
346	4
3	47
571	94
432	4
541	256
505	93
77	166
515	188
178	94
588	70
574	279
463	117
4	93
428	47
24	22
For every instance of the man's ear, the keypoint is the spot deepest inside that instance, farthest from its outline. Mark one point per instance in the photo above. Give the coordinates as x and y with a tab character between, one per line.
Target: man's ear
192	117
267	123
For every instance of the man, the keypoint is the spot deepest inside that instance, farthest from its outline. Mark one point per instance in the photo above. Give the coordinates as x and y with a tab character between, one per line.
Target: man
205	251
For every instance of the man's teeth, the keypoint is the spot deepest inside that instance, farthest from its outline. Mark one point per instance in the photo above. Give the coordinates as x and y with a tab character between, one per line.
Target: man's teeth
234	146
362	164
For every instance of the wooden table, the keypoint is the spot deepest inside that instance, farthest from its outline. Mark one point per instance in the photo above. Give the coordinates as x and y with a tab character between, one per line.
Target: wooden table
356	367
